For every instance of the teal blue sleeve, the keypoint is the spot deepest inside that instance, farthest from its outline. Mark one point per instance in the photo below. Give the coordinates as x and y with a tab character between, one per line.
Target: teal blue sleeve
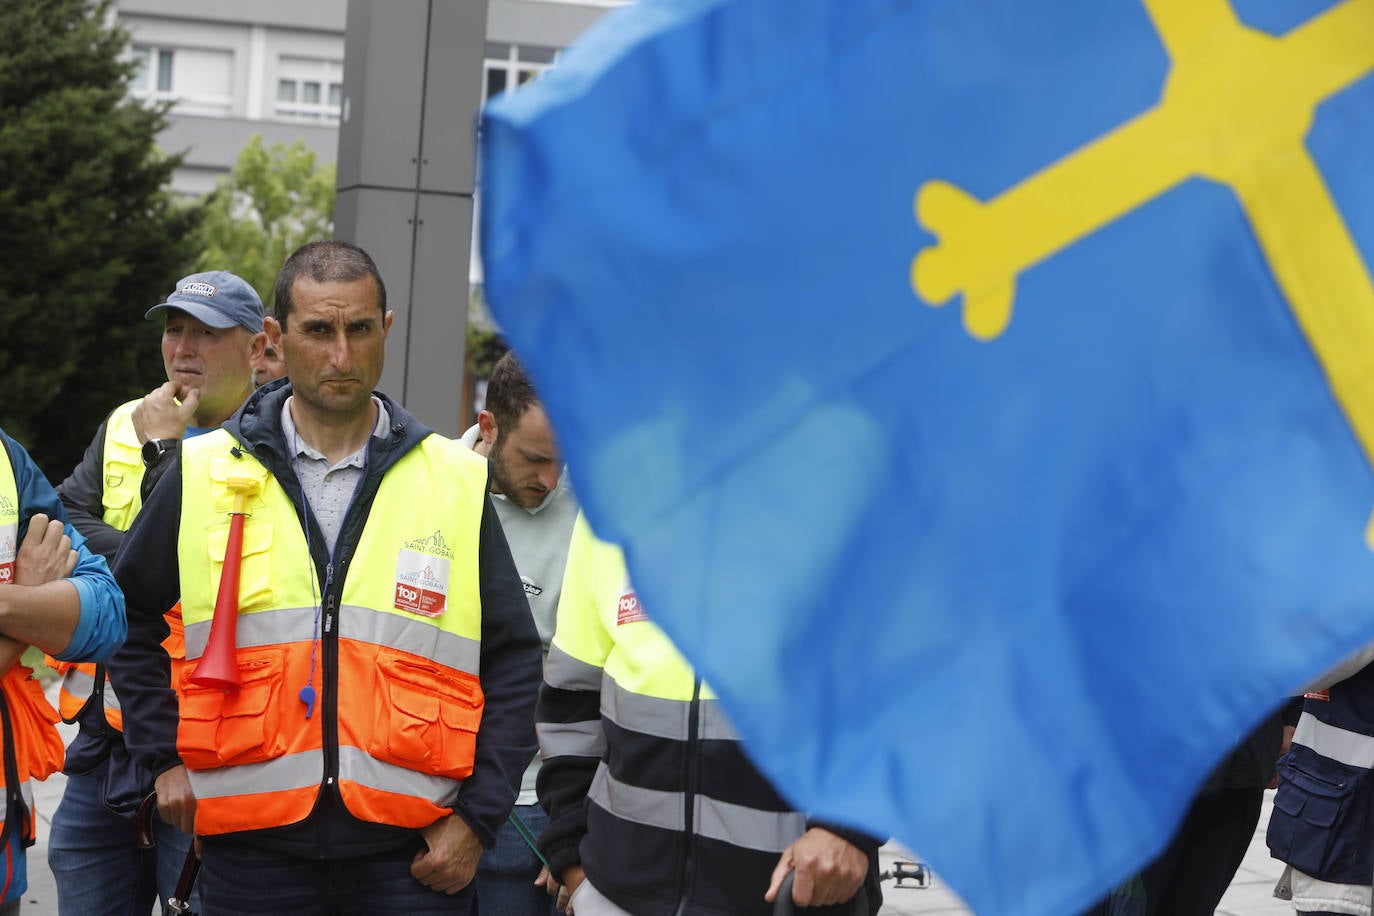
102	626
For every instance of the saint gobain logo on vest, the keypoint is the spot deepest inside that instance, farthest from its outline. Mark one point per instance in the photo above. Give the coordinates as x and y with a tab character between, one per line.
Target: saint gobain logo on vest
7	552
422	569
198	288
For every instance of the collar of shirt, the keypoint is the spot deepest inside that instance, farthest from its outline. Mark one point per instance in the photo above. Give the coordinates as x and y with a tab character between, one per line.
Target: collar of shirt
380	430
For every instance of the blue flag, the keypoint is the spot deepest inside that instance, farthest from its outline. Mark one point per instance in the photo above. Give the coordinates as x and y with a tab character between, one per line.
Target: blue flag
981	390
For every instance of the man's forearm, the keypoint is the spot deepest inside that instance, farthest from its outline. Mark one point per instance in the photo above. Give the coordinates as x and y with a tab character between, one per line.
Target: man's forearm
11	650
41	615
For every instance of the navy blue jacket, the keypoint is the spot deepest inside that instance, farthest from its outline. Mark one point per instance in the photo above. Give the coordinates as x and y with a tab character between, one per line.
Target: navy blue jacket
1321	823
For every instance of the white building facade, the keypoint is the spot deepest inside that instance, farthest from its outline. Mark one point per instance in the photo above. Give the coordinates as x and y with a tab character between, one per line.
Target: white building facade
276	68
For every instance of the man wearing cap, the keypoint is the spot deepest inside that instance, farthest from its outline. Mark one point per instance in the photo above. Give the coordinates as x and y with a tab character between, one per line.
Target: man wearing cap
212	335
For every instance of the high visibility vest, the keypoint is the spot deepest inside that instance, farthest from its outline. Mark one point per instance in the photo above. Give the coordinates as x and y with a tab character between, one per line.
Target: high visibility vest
701	792
32	748
122	469
399	701
122	466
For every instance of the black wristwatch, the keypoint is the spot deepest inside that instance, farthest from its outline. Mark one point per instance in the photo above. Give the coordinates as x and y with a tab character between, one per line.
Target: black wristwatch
154	450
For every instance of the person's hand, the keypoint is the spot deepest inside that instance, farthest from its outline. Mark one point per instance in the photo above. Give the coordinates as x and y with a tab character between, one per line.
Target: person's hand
46	553
573	876
451	860
175	800
550	884
829	869
159	416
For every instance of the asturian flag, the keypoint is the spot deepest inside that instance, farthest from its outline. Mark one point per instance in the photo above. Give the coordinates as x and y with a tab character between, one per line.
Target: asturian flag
980	389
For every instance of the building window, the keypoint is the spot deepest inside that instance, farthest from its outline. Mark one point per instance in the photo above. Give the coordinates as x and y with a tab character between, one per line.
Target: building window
507	66
197	80
309	89
153	77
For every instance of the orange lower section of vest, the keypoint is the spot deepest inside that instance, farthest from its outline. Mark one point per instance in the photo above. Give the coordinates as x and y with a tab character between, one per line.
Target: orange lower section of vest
254	811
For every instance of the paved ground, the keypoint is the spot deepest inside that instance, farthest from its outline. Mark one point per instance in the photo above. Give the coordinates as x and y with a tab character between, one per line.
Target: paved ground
1249	895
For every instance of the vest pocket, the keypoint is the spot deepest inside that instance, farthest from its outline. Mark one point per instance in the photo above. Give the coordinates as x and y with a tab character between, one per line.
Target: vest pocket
427	719
114	495
120	492
1320	817
255	572
224	728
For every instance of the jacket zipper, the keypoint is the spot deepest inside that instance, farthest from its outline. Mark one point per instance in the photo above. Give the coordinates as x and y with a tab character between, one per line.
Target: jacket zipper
329	676
360	506
690	797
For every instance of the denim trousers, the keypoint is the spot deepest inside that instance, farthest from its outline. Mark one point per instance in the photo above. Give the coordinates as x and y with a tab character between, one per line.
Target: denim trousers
506	872
237	879
14	873
93	854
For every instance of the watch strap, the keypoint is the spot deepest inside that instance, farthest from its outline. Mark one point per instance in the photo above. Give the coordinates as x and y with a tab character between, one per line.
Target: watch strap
154	450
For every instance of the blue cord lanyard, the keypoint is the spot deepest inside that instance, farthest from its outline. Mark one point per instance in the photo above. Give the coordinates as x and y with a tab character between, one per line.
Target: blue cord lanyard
307	693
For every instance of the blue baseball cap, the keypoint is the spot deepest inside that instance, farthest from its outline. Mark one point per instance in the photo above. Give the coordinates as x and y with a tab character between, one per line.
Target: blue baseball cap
217	298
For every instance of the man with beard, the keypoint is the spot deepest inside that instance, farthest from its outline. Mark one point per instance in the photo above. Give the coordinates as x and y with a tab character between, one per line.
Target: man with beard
537	508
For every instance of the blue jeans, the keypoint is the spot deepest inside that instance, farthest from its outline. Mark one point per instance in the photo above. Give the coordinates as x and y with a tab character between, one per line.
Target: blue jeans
14	873
241	880
506	872
94	857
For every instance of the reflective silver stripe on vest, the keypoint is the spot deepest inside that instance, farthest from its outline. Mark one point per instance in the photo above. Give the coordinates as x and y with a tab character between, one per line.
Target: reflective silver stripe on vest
664	718
410	634
1350	748
750	828
80	684
769	831
287	625
570	739
361	767
306	769
563	671
26	791
294	771
260	628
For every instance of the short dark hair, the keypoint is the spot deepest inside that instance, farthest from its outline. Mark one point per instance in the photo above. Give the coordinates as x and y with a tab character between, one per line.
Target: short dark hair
509	392
327	261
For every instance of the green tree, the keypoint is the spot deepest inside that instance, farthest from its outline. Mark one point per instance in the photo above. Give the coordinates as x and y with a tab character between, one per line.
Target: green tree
90	235
275	200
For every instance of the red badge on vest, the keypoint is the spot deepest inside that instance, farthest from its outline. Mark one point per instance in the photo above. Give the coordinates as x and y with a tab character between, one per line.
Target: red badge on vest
7	549
629	610
422	578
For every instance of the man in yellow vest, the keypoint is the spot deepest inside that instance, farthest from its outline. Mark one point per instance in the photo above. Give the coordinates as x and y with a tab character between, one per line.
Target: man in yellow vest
380	659
59	596
212	335
654	806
